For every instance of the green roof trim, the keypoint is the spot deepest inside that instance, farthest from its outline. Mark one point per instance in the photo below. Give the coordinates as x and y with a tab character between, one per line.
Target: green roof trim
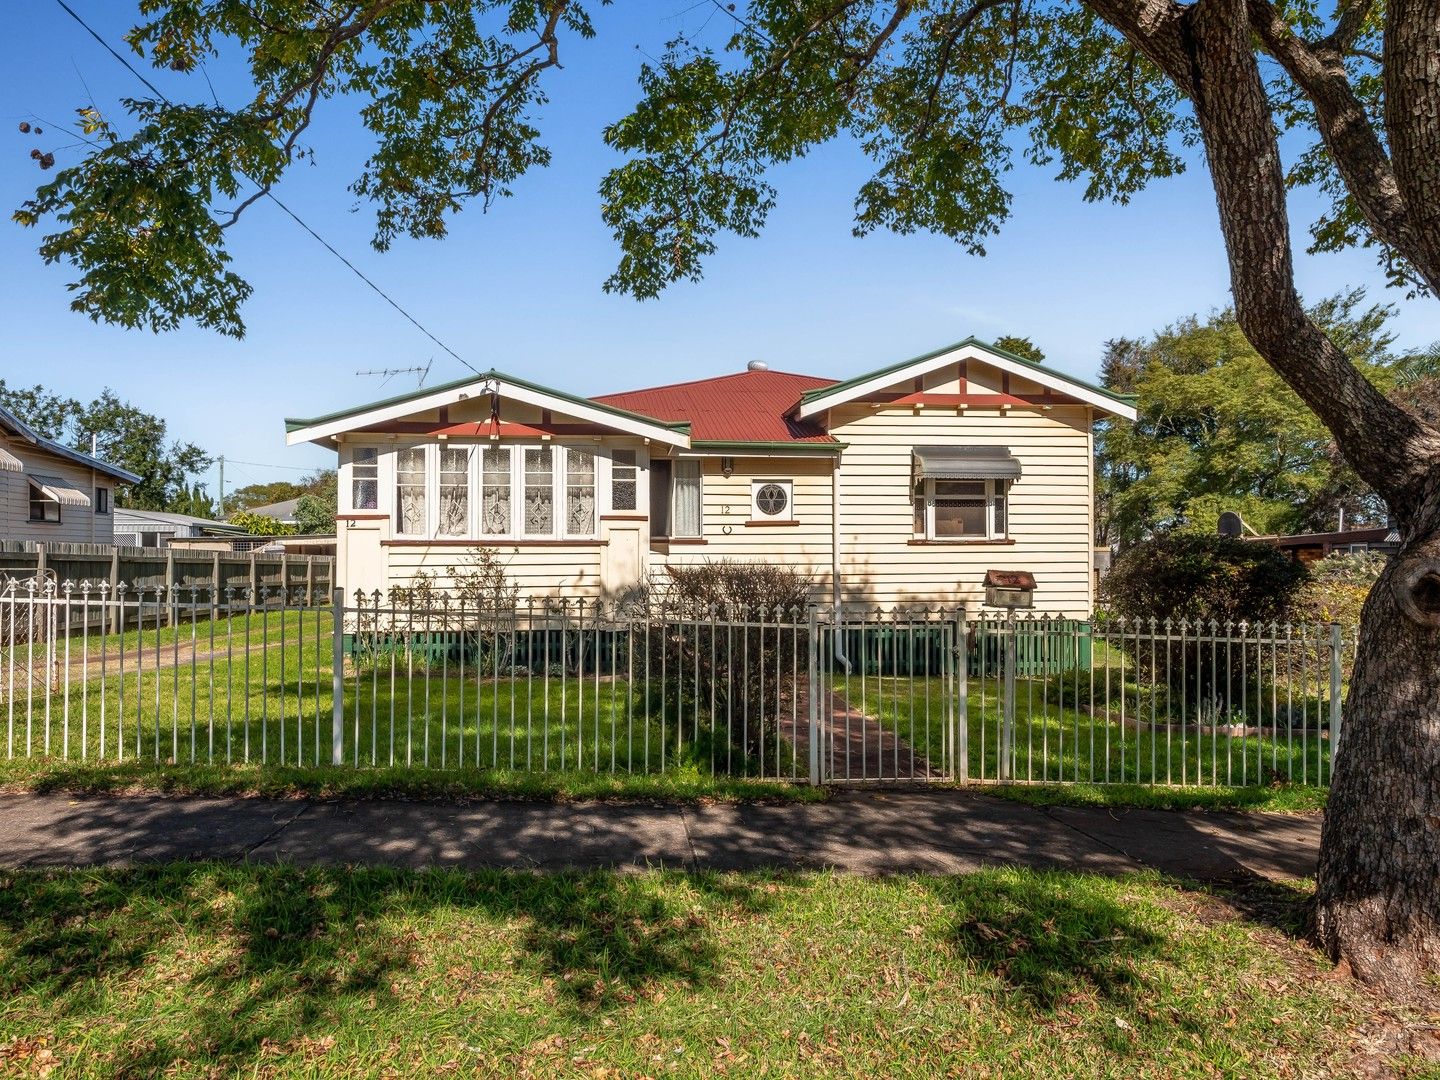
296	423
837	388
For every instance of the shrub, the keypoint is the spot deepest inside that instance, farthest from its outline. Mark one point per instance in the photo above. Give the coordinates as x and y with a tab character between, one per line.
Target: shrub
745	663
1202	577
1337	588
260	525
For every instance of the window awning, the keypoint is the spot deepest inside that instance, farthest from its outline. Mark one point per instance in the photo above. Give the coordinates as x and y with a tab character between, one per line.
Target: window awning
61	490
966	463
9	462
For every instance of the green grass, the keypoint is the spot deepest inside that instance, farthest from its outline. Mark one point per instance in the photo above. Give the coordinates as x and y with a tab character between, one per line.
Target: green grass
682	783
1053	742
200	970
1279	798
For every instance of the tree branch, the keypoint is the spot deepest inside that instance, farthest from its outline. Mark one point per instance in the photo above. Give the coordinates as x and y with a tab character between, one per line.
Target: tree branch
1349	136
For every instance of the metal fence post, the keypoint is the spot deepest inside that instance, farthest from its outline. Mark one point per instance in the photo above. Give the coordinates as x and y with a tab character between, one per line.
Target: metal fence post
813	618
337	679
1336	645
960	762
1007	725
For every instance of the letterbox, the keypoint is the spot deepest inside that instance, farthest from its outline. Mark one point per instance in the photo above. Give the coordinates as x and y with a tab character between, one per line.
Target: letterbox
1009	588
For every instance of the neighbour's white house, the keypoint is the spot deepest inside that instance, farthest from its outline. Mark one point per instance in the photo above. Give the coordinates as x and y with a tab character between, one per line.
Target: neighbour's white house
49	492
156	528
900	486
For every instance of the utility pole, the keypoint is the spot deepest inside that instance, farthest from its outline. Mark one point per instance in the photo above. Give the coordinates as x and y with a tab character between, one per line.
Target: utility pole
222	486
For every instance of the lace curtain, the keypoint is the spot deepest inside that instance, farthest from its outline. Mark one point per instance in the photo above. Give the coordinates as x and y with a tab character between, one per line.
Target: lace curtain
410	491
685	499
495	492
539	492
579	493
454	491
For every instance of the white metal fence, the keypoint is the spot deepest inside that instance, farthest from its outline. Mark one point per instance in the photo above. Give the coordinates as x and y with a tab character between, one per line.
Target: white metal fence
200	675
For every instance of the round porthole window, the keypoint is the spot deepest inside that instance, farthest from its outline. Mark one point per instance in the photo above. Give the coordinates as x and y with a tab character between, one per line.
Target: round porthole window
771	500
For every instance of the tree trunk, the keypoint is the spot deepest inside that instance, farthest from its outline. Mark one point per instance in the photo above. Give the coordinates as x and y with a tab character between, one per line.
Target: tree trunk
1378	904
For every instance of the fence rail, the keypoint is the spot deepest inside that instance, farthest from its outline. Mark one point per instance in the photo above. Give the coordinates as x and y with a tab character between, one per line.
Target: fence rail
240	674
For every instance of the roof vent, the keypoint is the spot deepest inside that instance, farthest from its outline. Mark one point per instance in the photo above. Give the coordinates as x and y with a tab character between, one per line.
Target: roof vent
757	365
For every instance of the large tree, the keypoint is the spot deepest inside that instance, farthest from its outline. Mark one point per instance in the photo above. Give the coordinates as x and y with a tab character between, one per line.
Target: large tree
1220	430
942	95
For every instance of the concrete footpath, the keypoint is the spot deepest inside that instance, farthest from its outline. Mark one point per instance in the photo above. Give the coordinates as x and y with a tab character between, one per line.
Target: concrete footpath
866	832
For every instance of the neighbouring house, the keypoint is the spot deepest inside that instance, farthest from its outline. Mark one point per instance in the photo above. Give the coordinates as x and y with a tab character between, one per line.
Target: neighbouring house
49	492
157	528
899	486
1312	547
282	511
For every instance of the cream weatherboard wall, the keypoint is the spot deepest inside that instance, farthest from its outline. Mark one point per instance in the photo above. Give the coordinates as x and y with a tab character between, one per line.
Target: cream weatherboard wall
1049	507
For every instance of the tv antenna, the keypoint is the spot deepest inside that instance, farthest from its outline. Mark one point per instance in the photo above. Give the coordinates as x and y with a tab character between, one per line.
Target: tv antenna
386	374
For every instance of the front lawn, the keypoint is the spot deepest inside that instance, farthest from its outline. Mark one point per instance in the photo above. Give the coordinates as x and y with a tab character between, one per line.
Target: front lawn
220	970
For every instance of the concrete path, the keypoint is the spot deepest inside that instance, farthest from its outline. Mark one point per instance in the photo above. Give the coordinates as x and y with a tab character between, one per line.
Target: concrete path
856	831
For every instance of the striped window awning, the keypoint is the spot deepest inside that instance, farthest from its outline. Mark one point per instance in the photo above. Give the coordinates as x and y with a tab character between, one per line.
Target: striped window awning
61	490
966	463
9	462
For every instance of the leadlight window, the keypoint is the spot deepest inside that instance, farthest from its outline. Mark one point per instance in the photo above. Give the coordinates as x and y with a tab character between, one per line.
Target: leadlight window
624	480
539	491
495	492
365	478
454	491
579	492
410	491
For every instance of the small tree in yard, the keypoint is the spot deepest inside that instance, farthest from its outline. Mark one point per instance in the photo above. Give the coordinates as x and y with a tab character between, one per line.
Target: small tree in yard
941	95
725	634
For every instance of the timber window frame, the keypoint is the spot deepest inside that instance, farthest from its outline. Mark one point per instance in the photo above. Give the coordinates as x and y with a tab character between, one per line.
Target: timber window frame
44	507
961	511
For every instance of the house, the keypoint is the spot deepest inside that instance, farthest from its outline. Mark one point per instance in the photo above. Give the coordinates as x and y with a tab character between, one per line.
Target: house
899	486
1312	547
50	493
157	528
282	511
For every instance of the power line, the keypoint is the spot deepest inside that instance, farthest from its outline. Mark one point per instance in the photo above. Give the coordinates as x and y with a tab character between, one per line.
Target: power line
272	197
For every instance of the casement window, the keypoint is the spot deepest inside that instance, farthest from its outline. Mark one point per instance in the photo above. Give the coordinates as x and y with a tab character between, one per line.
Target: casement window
685	498
579	492
538	499
624	480
454	502
364	478
960	509
772	500
495	501
43	506
410	482
102	500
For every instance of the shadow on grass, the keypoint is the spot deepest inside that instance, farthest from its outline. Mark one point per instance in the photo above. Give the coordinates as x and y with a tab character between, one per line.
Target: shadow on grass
275	954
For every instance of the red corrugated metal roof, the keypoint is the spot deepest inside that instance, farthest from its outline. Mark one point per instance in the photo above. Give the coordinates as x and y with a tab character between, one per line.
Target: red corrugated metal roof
749	406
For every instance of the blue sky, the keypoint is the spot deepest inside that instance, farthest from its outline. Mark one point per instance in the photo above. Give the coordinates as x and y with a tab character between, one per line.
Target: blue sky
519	288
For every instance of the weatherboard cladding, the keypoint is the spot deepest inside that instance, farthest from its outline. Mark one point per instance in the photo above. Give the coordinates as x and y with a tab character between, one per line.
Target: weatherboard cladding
746	407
